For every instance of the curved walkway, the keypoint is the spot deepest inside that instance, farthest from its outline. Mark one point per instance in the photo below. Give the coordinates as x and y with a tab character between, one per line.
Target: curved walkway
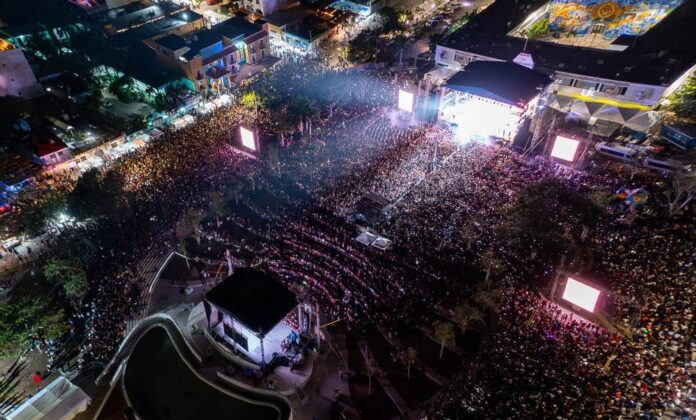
182	361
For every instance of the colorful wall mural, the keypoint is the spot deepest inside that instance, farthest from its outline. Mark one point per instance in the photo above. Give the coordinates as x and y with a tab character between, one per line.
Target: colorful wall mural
608	18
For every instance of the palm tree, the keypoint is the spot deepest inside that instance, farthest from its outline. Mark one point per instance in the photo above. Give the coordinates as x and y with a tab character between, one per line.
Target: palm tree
468	232
492	264
444	333
488	295
194	219
217	203
234	189
465	314
410	356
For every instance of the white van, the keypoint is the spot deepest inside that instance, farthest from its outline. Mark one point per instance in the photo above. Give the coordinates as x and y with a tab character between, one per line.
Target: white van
668	166
621	153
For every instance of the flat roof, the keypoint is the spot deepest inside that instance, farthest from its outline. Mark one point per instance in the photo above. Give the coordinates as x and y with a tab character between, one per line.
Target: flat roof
501	81
658	57
283	17
254	298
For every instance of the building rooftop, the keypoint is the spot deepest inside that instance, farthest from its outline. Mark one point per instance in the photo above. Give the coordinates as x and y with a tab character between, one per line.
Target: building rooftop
308	28
658	57
501	81
15	168
166	24
236	26
142	64
287	16
253	298
171	42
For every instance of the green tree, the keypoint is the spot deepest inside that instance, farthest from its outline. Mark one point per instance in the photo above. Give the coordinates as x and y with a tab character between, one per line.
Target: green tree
537	29
492	264
466	314
683	101
25	318
488	295
543	216
69	275
444	333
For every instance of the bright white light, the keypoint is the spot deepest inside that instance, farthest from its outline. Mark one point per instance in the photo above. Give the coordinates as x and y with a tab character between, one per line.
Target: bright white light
581	294
248	140
405	101
478	119
565	148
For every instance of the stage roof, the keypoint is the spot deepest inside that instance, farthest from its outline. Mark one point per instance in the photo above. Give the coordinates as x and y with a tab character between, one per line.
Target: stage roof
253	298
501	81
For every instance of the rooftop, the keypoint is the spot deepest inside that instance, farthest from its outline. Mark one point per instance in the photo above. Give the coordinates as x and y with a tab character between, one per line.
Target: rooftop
253	298
308	28
502	81
287	16
149	30
142	64
657	57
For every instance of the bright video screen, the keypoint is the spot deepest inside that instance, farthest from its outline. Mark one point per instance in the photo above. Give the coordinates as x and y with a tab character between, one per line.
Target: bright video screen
248	140
565	148
581	294
405	101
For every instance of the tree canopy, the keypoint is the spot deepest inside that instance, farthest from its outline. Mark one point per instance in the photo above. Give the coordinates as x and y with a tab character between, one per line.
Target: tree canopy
544	216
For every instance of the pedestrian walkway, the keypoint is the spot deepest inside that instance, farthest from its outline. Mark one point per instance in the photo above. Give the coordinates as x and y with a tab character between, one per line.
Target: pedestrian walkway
389	389
429	372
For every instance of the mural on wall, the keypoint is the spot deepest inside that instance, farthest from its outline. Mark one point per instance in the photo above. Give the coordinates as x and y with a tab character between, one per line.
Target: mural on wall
608	18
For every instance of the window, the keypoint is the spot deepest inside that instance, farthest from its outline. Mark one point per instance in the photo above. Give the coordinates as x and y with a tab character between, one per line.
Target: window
263	54
261	44
199	76
231	59
584	84
237	337
253	58
252	48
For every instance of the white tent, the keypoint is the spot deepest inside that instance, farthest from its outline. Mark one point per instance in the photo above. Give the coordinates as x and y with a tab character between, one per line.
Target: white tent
57	401
366	238
643	121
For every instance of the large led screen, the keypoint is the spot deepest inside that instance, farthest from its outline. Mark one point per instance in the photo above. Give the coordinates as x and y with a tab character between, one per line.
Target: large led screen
248	140
565	148
405	101
581	294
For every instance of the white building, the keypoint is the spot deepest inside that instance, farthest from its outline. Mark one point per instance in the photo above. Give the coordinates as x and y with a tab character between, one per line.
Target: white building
252	313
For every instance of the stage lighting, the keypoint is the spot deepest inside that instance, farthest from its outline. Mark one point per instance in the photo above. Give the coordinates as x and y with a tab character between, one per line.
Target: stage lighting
248	139
405	101
581	294
565	148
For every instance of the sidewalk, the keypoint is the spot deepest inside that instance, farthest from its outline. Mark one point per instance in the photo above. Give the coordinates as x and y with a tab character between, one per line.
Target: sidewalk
429	372
393	394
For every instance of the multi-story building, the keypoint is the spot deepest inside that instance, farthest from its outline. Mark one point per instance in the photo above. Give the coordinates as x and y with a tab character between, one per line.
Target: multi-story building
132	24
298	29
16	76
218	58
610	70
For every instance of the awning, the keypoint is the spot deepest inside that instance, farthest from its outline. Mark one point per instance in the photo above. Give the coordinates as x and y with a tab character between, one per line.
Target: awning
643	121
560	103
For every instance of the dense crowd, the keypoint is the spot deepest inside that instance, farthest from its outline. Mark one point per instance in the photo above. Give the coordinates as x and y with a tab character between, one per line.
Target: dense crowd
447	201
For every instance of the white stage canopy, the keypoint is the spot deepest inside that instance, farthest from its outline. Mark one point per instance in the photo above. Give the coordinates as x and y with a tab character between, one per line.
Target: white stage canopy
58	401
